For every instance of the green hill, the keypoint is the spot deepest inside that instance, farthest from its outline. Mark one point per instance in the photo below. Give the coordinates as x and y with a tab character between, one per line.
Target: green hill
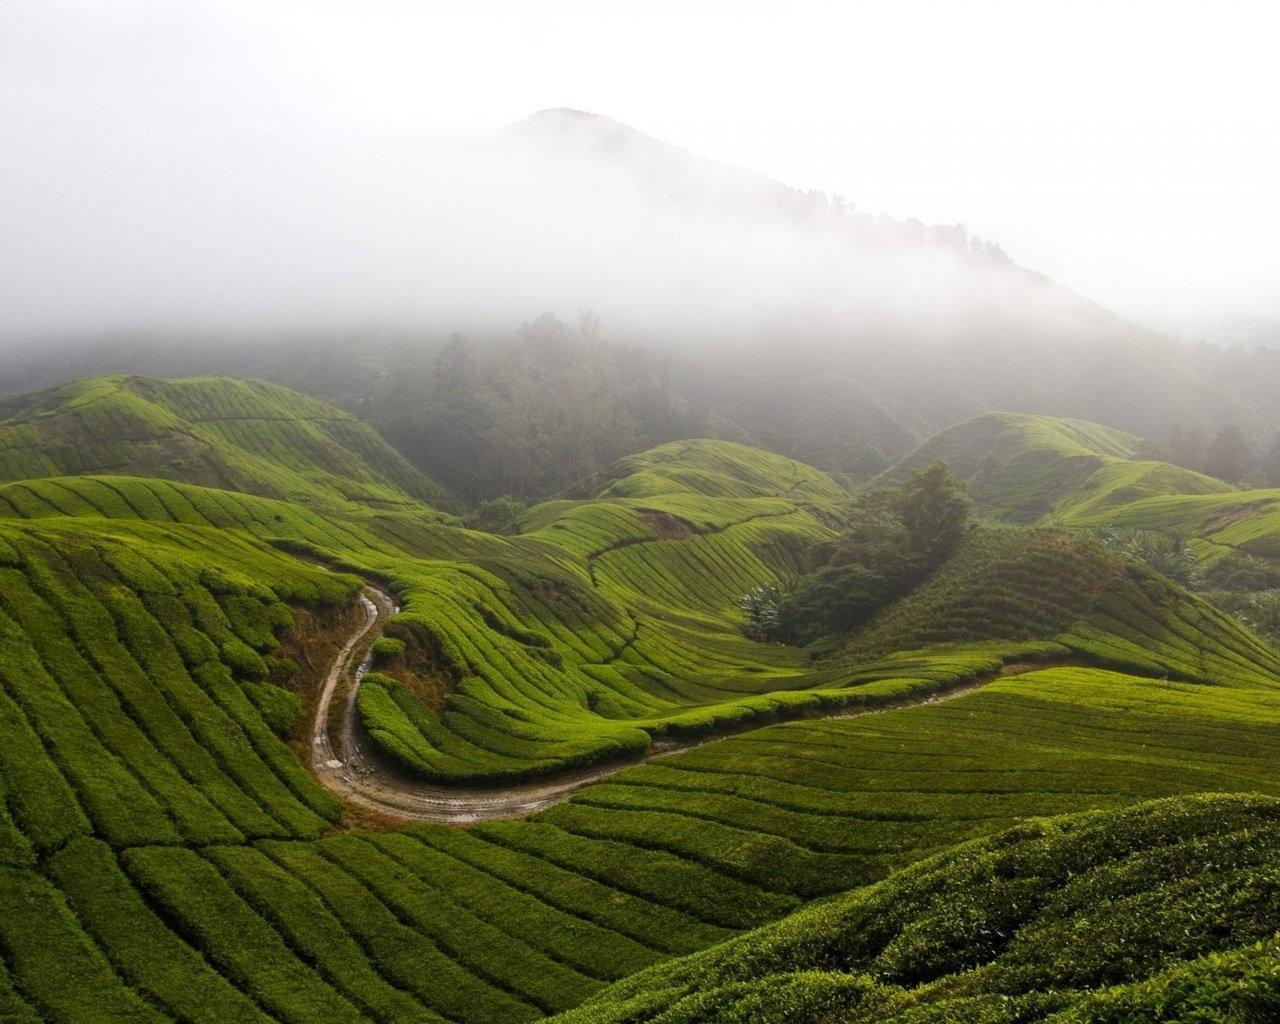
165	855
1021	468
1236	521
1162	912
1077	475
717	469
251	436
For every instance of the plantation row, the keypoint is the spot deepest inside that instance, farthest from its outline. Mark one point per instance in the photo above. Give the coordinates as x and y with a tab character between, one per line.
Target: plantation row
551	673
1162	912
133	688
162	847
251	437
160	501
551	670
427	924
830	805
513	920
558	657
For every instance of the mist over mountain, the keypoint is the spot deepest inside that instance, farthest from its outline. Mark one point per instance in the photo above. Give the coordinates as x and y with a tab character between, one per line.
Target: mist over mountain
748	552
767	314
561	211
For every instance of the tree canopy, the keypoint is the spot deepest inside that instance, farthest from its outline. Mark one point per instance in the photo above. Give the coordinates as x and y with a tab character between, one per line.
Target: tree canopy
889	542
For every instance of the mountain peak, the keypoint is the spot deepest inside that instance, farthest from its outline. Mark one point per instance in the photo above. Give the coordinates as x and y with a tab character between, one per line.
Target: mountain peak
580	130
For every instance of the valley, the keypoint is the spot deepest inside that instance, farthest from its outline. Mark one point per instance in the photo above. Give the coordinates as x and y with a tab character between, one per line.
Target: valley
639	514
1041	738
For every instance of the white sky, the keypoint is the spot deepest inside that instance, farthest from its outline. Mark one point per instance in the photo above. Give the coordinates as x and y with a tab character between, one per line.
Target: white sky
1129	149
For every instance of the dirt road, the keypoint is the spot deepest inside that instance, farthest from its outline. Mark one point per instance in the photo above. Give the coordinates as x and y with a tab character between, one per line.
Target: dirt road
360	777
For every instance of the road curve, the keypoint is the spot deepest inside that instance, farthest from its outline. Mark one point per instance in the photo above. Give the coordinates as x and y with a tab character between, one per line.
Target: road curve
361	778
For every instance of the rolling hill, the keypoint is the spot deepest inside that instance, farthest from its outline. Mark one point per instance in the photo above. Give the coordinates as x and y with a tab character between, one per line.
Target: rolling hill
1070	473
251	437
1022	468
166	855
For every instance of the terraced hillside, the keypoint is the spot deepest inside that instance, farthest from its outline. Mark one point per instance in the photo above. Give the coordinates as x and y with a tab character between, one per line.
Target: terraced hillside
166	856
1235	521
1021	468
1162	912
1028	469
245	436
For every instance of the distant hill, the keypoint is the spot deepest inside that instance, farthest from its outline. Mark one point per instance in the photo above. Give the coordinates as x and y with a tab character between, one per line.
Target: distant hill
717	469
1021	467
253	437
769	314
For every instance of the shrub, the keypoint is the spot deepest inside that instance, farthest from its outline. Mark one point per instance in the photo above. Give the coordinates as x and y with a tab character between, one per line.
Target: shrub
280	709
243	660
385	648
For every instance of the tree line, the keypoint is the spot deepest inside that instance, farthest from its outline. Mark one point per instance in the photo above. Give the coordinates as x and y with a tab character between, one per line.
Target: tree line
1225	454
530	417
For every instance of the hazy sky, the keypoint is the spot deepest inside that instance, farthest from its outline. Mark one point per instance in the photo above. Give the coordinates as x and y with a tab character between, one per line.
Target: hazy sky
1129	149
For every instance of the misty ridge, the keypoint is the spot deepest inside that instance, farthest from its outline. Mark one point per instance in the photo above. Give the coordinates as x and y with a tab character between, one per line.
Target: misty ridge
517	311
562	211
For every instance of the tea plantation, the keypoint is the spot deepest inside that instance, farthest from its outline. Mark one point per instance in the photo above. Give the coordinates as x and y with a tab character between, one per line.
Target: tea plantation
165	854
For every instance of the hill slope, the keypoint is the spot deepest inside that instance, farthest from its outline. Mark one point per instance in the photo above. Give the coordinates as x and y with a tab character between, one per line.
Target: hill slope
165	856
1145	914
1021	468
252	437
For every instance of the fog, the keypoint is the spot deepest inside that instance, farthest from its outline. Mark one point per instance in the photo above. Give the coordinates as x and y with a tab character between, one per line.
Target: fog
209	167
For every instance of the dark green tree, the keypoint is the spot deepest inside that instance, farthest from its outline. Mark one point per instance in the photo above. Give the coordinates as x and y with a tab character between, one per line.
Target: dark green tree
891	540
934	509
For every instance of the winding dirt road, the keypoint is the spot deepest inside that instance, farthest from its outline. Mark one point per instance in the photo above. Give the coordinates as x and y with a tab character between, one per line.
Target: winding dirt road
360	777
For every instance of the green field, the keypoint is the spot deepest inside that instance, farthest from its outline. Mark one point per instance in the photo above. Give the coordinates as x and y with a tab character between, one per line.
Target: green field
165	855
